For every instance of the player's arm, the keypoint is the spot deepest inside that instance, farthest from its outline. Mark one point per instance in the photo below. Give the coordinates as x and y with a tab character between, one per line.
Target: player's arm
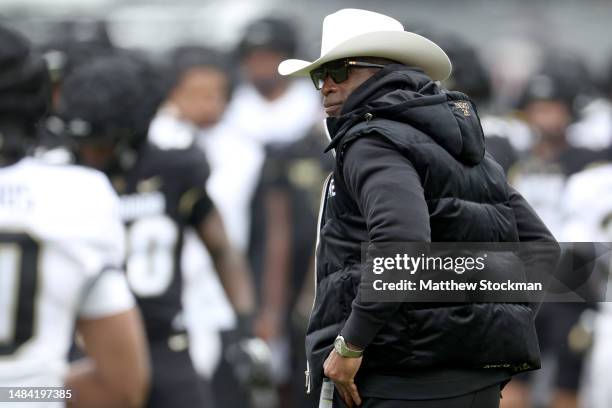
229	263
270	320
305	298
277	264
116	371
199	211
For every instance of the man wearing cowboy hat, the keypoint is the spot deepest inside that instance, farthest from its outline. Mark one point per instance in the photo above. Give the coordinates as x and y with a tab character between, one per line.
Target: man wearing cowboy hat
410	167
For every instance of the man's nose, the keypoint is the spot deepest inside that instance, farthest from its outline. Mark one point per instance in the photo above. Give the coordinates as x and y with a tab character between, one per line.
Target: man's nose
329	86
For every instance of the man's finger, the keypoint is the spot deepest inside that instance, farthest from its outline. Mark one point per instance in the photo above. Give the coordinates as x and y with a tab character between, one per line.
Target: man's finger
345	396
354	394
348	400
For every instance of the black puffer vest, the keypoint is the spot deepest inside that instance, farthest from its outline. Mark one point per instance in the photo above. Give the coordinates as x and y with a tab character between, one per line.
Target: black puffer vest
465	190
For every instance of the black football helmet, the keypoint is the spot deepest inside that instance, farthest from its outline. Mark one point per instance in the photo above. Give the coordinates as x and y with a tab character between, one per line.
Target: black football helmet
24	95
109	100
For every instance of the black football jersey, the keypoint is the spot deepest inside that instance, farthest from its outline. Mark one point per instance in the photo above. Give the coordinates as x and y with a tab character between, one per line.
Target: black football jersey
162	194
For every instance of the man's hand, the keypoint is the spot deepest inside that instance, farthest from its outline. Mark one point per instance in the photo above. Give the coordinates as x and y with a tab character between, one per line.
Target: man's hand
342	372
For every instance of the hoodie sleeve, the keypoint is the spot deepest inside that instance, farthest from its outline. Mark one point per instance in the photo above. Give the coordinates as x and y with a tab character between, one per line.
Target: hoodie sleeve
542	257
530	227
389	194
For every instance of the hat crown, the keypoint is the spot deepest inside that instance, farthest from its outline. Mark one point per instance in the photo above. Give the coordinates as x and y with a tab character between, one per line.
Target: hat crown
361	33
349	23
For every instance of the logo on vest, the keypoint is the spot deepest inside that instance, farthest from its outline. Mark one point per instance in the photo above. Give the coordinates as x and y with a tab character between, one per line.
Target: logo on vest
464	107
331	190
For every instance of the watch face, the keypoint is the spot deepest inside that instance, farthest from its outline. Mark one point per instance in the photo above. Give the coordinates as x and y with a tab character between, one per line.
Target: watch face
342	349
338	344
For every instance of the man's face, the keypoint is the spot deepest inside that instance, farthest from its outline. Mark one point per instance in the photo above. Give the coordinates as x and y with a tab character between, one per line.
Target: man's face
97	154
260	69
549	118
201	96
335	95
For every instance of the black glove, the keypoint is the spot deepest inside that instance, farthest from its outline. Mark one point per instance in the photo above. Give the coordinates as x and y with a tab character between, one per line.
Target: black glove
249	356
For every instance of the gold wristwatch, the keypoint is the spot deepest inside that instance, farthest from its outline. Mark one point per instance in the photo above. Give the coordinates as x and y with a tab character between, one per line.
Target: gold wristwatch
343	349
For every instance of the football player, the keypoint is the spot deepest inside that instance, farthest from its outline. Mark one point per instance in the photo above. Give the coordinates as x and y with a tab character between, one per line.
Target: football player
106	107
61	247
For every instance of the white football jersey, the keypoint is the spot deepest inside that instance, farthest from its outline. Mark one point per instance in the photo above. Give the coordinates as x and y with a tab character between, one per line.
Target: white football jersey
588	210
61	246
587	206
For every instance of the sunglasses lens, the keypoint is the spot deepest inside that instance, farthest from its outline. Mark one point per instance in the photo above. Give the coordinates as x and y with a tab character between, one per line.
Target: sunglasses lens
318	77
339	74
337	70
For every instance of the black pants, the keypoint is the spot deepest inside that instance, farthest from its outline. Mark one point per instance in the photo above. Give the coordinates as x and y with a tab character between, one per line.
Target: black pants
175	383
228	391
486	398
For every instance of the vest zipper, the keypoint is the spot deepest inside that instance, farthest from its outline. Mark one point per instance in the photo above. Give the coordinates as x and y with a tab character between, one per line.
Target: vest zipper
308	384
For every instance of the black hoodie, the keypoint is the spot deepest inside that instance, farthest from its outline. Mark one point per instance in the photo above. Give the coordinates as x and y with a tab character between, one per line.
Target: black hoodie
409	96
411	167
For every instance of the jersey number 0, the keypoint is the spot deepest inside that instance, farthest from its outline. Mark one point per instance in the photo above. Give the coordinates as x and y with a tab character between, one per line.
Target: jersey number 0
18	286
150	262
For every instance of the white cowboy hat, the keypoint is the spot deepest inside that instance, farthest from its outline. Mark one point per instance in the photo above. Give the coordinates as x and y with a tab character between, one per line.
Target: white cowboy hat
362	33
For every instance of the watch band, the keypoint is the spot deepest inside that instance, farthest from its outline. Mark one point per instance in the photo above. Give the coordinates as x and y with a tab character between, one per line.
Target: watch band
343	349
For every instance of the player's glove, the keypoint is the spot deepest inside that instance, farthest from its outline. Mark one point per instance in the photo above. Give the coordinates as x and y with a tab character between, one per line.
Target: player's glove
249	356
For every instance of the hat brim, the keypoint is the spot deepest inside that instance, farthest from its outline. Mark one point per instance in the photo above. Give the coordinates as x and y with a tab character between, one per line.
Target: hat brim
401	46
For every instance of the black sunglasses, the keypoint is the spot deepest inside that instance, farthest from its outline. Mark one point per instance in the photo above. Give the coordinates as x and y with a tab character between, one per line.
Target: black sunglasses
338	71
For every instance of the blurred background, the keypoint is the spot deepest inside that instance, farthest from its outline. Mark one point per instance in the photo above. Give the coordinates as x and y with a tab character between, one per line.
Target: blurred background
540	72
487	24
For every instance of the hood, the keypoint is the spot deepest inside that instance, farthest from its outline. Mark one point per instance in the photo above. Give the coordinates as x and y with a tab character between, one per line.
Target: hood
404	94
